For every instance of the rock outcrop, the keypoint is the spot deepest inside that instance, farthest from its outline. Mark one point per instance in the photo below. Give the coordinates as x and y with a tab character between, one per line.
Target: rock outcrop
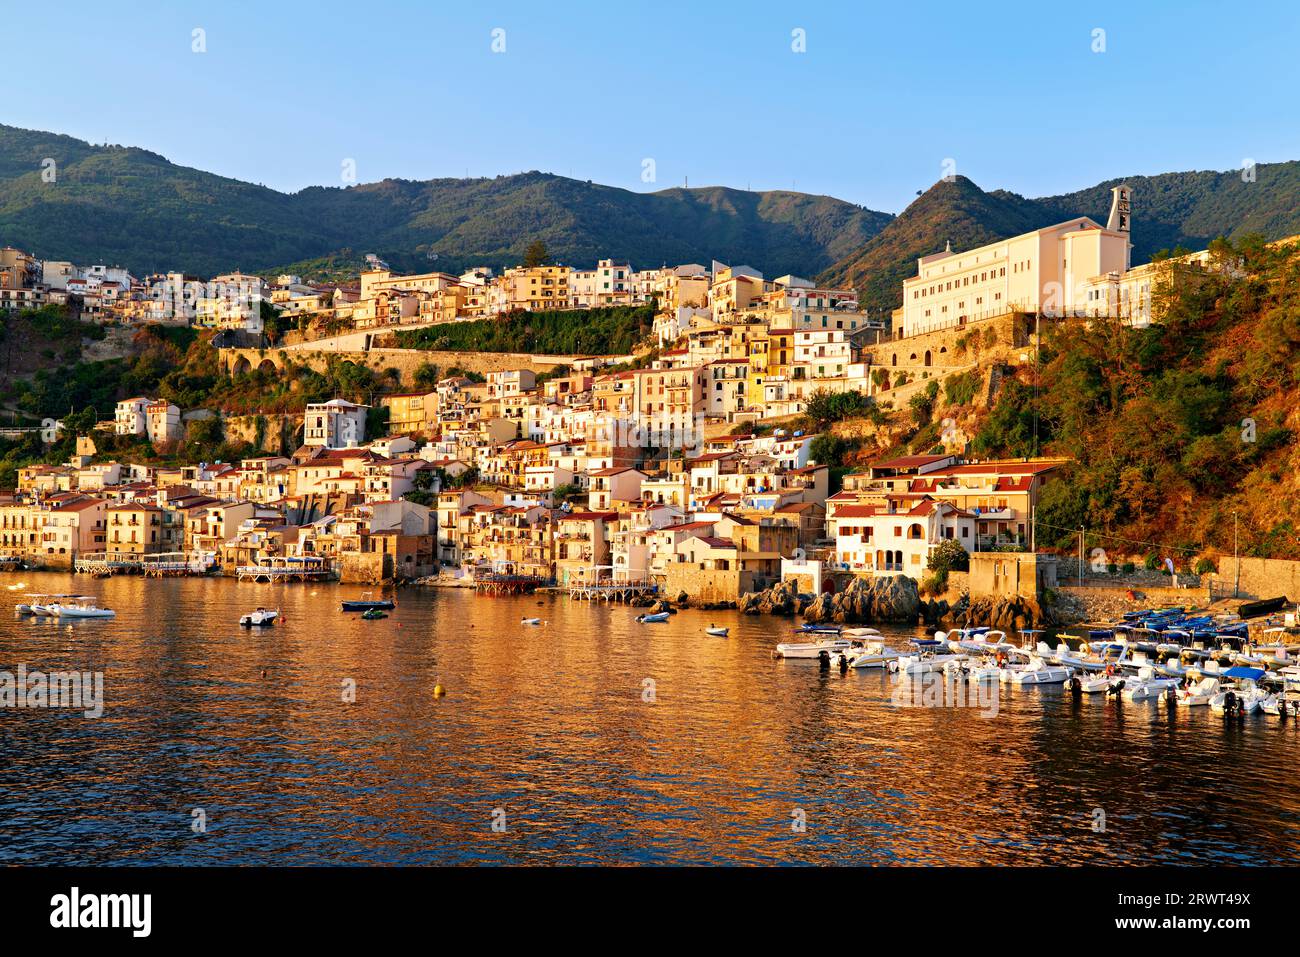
783	598
869	600
1005	613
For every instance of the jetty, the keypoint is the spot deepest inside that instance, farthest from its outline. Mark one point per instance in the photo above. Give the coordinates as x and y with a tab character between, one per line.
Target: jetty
603	583
508	578
308	568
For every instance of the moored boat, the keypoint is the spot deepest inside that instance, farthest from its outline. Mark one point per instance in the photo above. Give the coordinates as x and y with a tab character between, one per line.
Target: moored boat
259	618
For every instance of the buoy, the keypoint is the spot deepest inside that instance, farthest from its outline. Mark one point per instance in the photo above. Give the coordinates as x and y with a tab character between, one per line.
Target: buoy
438	691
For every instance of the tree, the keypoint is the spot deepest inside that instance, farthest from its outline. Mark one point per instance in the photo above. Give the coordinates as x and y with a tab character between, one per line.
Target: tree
949	555
535	254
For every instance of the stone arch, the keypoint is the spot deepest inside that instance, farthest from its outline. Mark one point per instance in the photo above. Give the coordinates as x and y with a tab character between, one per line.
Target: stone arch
929	360
913	358
241	366
268	366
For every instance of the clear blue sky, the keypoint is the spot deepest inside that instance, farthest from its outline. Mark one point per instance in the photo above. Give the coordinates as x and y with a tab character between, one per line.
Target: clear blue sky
884	93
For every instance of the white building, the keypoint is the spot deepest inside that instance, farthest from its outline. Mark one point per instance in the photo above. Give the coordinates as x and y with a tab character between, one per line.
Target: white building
336	424
132	416
1047	270
163	422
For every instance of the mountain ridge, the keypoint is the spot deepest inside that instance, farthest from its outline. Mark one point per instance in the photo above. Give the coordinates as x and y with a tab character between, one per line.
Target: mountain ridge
138	209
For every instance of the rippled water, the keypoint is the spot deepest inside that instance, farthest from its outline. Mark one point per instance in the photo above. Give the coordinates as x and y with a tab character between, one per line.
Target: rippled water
549	725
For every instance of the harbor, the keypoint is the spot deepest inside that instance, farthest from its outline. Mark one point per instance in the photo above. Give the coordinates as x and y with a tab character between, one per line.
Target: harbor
604	740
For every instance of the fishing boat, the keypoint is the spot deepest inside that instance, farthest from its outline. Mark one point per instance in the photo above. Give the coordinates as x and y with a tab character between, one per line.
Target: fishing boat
655	619
260	618
716	631
373	614
79	608
1266	606
366	602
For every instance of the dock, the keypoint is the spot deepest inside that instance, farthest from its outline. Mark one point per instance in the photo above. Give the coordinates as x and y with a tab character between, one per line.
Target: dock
602	583
297	569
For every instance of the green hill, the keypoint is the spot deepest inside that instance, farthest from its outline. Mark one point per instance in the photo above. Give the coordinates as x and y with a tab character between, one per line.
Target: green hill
132	207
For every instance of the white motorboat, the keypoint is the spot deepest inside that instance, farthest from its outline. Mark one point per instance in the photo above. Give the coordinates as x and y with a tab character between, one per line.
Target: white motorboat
1243	696
925	664
1200	693
1037	672
655	619
78	608
1281	704
716	631
36	604
874	654
812	649
260	618
533	621
973	671
856	632
1091	683
1147	685
985	642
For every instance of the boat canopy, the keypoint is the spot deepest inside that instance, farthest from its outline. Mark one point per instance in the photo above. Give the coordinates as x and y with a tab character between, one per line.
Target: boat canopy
1241	671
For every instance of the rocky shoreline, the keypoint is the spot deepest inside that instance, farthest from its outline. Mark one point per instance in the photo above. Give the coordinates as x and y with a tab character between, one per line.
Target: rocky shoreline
895	600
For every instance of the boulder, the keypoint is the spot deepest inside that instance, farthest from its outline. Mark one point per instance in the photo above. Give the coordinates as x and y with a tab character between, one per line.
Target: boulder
867	600
1008	613
783	598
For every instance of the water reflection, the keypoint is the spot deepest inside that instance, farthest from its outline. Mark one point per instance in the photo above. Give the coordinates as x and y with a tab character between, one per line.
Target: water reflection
549	724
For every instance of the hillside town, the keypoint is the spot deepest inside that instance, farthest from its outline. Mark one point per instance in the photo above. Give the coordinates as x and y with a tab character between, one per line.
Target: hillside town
691	467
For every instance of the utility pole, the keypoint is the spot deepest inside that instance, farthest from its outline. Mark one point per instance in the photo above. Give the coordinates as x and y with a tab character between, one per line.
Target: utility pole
1236	556
1080	555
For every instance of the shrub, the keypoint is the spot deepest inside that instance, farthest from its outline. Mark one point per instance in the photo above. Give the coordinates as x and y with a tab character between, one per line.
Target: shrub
1206	566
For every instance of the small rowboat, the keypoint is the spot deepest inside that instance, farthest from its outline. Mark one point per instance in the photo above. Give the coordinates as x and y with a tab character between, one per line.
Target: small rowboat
654	619
530	621
365	603
716	631
373	614
382	605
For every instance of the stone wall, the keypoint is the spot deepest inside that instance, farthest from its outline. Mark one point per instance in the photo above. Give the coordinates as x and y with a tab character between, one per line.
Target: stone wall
946	351
1260	578
405	361
706	585
365	568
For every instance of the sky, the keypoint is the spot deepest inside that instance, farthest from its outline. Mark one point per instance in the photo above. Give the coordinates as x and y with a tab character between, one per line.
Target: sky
869	102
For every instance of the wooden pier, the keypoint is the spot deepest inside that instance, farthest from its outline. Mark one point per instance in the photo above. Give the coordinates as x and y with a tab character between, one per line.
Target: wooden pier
600	583
302	569
108	563
508	578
